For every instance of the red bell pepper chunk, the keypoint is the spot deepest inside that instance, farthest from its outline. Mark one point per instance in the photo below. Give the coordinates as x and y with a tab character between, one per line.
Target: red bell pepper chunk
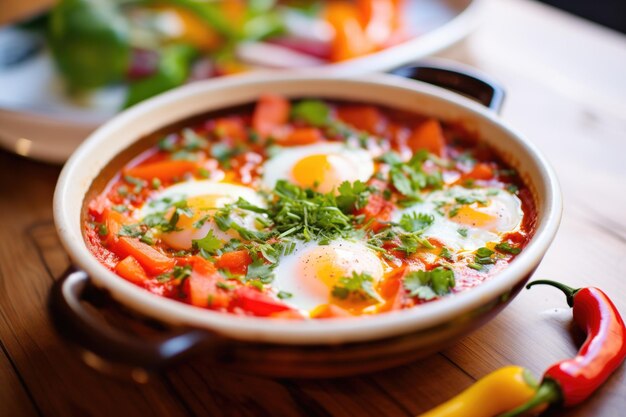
254	301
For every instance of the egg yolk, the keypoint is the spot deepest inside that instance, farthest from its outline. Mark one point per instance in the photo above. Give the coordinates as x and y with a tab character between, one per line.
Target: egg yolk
323	172
323	267
186	226
201	206
469	216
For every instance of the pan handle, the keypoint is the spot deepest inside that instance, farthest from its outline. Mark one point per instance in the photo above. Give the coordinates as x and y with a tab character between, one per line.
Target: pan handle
458	78
108	349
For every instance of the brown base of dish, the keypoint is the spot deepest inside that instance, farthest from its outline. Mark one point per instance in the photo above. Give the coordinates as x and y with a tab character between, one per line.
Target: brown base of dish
265	359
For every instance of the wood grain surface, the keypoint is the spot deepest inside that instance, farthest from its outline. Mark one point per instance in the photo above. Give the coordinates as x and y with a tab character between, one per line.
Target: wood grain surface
566	91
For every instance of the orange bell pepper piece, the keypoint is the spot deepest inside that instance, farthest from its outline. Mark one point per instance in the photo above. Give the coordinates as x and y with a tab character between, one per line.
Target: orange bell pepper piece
301	136
151	259
164	170
132	270
429	136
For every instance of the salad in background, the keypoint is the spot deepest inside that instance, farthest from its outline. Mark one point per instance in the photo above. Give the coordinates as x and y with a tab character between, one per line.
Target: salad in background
154	45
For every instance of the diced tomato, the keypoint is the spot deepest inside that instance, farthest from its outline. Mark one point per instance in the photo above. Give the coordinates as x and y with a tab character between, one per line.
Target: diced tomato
428	135
98	205
231	128
367	118
377	211
301	136
235	262
130	269
151	259
201	286
270	113
255	302
330	311
113	222
481	171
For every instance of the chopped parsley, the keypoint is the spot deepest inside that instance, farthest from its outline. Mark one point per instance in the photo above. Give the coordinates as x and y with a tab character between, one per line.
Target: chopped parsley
137	182
470	199
507	248
178	273
445	253
284	295
462	231
482	256
224	286
120	208
102	229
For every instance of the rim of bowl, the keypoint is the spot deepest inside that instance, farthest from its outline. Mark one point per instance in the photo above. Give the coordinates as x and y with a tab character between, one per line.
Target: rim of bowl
260	329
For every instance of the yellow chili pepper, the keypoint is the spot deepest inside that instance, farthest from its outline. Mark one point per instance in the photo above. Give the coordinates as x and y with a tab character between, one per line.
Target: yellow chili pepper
496	393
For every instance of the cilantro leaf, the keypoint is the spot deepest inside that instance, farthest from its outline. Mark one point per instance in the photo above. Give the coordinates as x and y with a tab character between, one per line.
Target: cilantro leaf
352	195
259	270
413	222
359	286
483	256
427	285
507	248
210	243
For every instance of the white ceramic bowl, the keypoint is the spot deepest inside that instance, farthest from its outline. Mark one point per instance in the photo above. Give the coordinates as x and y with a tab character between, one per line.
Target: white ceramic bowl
432	325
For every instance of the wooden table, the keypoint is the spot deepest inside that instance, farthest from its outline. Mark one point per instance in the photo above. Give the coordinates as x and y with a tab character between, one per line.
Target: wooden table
566	83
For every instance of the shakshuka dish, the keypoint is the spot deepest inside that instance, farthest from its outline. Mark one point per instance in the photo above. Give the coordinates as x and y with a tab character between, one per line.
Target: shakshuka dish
311	209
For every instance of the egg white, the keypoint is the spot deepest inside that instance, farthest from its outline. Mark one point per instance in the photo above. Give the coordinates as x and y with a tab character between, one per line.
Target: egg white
504	208
223	194
355	163
297	275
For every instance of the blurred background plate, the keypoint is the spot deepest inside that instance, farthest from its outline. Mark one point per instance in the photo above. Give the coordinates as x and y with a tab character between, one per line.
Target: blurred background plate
38	121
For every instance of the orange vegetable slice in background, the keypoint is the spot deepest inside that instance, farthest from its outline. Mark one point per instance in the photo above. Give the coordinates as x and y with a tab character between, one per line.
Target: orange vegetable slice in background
349	40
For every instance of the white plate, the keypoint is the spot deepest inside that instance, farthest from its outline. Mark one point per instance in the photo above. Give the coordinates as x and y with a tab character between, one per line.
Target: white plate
39	122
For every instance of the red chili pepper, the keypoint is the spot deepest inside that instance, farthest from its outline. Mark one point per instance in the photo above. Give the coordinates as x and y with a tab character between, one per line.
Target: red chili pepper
572	381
